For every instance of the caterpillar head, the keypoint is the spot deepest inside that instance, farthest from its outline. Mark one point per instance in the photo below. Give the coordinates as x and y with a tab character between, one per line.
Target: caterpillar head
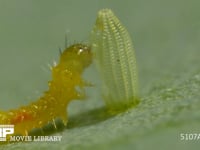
73	61
77	56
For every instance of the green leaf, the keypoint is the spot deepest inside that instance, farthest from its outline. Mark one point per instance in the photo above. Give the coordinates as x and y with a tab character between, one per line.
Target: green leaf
166	36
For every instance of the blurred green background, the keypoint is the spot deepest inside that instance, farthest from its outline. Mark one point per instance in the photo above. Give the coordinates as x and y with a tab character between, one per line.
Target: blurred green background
166	35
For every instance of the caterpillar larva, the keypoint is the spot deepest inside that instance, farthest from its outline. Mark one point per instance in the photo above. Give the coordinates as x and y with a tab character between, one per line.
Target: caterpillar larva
115	59
66	76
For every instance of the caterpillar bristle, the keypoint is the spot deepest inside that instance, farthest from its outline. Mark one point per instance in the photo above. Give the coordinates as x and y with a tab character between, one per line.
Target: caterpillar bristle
54	63
54	123
60	51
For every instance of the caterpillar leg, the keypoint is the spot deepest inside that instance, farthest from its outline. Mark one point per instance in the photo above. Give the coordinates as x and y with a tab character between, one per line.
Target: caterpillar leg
26	132
86	83
80	91
81	94
64	119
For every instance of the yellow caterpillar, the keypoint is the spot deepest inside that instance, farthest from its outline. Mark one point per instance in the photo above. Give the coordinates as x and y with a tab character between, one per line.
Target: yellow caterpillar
66	76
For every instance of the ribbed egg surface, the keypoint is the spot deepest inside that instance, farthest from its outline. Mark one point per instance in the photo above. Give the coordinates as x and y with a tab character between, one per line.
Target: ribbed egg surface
115	60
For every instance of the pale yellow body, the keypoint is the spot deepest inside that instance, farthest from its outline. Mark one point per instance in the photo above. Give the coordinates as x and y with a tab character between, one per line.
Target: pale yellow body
66	76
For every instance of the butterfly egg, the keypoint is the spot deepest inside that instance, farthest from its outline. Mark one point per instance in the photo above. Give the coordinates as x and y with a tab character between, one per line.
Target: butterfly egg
115	61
